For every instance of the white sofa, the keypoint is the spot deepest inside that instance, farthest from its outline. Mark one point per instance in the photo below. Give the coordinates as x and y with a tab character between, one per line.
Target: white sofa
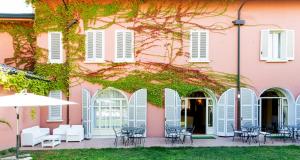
75	134
32	136
61	131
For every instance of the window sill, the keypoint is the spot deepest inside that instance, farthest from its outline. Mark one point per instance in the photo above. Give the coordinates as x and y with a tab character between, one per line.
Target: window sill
276	61
55	62
54	121
94	62
124	61
198	61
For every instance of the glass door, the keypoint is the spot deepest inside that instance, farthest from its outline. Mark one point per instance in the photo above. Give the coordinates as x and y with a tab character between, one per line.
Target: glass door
283	112
109	114
209	116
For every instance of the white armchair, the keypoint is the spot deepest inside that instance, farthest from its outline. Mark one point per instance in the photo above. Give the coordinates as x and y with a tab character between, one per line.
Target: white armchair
61	131
32	136
75	133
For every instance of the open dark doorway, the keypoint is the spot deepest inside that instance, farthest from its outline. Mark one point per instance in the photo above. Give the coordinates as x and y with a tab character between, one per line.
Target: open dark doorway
273	111
196	112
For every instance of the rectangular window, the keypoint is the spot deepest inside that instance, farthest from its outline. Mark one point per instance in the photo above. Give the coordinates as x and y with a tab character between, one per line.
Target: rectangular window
199	46
124	46
94	46
277	45
55	47
55	112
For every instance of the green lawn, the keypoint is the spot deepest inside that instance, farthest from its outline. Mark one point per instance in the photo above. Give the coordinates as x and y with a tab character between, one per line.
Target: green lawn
220	153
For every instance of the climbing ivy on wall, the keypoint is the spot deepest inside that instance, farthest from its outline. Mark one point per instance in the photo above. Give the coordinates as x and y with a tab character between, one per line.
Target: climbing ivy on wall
23	43
156	21
167	77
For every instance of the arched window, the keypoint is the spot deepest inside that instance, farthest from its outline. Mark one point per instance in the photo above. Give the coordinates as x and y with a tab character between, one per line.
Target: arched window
110	110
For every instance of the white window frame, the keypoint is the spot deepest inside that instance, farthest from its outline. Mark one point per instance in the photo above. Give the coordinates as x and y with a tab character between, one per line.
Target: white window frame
94	59
50	119
49	49
270	57
124	59
205	60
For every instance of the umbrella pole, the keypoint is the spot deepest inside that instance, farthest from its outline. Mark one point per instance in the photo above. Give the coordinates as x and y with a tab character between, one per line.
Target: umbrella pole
18	136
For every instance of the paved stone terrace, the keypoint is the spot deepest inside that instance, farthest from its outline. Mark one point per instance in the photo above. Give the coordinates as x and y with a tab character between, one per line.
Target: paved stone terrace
160	142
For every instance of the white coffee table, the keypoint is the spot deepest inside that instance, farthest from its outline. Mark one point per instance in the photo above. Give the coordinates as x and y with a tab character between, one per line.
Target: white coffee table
51	141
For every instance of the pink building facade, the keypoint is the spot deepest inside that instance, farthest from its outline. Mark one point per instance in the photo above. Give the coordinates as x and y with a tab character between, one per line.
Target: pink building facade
269	65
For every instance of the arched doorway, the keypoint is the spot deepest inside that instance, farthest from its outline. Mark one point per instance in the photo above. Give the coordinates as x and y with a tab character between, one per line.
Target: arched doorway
197	110
275	109
109	109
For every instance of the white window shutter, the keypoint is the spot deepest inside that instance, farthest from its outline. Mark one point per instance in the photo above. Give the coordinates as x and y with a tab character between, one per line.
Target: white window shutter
248	107
198	46
194	43
94	46
99	45
119	45
203	46
283	46
131	111
129	54
138	109
230	116
226	113
264	45
55	47
89	49
86	113
298	111
221	116
172	107
290	34
55	112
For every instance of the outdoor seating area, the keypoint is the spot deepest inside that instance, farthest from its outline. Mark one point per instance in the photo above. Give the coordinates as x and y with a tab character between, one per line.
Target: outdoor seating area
35	135
130	136
254	134
178	134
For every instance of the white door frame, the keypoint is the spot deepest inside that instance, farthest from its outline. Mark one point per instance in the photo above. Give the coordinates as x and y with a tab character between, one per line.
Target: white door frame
185	102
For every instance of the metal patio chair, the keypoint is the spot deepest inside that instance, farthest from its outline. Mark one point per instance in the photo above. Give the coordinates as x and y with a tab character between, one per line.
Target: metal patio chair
138	136
236	133
188	133
253	134
118	136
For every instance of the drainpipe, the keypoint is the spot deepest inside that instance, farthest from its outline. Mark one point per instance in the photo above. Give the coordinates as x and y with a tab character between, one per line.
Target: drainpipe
239	22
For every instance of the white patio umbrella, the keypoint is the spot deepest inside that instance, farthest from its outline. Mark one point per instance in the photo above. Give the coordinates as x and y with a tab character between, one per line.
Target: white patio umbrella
24	99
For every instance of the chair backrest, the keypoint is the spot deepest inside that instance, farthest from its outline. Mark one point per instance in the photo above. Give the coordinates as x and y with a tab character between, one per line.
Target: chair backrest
232	127
190	129
115	131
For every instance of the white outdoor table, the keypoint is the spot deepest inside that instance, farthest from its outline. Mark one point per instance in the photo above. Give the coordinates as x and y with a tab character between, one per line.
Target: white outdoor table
51	141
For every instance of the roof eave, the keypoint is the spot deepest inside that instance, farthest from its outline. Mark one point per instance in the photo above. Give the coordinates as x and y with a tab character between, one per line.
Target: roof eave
17	16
